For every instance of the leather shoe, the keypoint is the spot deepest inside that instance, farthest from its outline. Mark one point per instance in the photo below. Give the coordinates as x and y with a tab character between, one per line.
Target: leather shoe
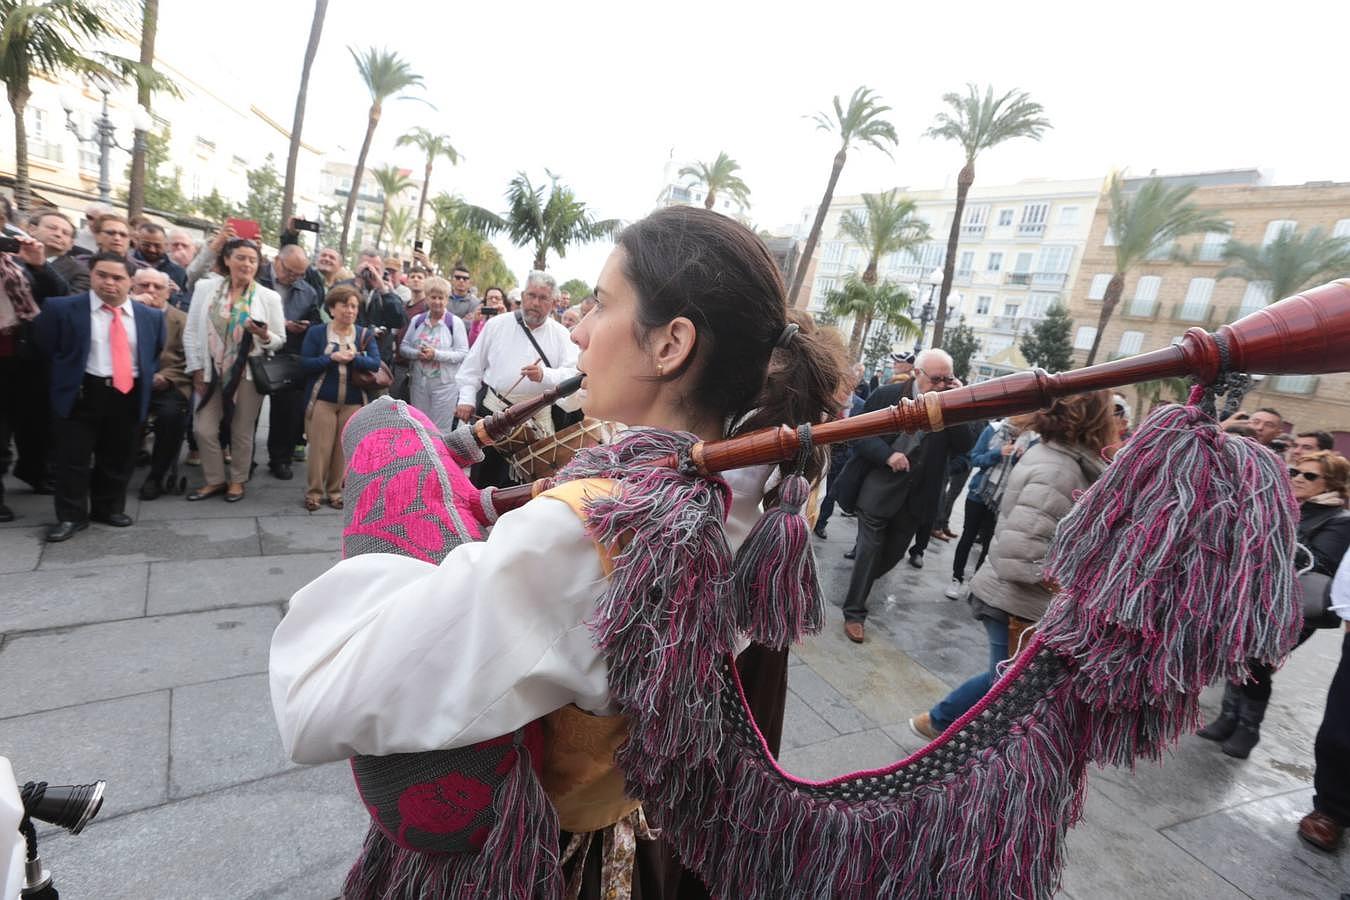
922	725
851	553
152	489
234	493
281	471
1322	831
854	630
64	531
940	534
116	520
819	531
6	514
916	560
205	491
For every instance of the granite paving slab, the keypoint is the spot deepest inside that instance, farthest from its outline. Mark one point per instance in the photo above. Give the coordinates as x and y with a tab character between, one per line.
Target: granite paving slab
1255	846
124	742
29	509
115	659
184	538
71	597
249	841
215	583
21	548
300	534
223	734
803	726
841	755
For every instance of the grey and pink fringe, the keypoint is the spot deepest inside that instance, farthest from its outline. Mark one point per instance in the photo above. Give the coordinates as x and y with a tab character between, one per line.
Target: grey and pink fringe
1174	570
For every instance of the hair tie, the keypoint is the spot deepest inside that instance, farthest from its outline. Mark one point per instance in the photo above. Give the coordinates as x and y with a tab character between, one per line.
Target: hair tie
786	337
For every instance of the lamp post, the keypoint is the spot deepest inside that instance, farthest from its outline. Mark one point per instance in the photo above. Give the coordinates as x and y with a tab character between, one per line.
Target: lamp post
105	136
934	277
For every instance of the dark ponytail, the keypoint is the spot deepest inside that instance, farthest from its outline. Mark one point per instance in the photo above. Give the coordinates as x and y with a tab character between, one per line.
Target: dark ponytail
692	262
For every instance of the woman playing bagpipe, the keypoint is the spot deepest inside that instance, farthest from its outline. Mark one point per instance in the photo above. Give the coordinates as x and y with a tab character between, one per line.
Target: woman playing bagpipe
520	711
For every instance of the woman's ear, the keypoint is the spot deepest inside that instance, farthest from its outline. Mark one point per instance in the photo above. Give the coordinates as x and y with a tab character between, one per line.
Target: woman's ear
673	345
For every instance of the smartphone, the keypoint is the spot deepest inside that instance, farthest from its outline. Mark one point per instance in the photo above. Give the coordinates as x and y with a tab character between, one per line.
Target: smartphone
259	322
9	244
488	311
305	225
417	246
247	229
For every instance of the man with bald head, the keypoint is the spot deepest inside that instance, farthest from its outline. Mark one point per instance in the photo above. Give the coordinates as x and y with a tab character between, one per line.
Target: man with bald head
901	489
300	304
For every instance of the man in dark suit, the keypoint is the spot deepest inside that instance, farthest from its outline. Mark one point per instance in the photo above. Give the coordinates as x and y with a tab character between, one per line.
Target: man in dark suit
902	487
104	352
285	274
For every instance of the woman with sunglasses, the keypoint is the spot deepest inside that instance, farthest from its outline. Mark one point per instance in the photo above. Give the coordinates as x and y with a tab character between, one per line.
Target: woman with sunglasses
1321	485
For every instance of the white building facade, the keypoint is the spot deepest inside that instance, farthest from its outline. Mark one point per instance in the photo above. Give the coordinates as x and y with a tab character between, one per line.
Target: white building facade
1019	251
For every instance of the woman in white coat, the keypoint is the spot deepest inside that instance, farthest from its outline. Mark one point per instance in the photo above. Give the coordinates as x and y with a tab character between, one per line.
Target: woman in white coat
231	319
435	344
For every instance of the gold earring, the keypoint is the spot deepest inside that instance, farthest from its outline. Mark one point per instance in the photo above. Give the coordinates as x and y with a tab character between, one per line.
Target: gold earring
660	370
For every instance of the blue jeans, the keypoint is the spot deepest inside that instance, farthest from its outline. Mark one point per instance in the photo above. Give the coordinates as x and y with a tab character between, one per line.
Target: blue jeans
955	704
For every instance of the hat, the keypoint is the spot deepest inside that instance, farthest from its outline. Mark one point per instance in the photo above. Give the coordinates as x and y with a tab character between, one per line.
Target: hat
903	356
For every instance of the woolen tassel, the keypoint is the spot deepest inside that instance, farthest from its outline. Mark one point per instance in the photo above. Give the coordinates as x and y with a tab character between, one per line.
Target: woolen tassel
519	861
1174	570
777	590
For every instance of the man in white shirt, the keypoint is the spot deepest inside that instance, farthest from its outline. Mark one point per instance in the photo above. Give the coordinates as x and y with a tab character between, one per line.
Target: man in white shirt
516	357
104	353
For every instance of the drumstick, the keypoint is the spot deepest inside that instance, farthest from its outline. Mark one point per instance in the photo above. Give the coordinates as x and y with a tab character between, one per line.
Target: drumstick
520	379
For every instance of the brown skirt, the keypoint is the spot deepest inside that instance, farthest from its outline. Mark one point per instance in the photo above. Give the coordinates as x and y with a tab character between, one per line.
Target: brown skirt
658	874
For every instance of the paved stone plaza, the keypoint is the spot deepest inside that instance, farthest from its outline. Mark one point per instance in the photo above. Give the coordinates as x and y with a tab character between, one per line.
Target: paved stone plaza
139	656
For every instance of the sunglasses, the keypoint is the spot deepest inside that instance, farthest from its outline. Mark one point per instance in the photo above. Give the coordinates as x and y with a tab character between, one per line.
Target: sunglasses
1306	476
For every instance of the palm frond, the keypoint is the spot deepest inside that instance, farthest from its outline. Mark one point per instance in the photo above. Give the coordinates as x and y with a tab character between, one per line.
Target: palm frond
1290	262
980	121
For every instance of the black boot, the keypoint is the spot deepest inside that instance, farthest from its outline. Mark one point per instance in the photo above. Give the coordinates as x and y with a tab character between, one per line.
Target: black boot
1248	731
1222	728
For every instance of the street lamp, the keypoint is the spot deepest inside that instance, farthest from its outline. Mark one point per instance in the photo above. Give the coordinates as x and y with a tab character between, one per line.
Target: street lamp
935	277
105	136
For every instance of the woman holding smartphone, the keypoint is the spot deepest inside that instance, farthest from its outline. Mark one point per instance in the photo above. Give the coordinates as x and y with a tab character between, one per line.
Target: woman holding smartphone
230	319
331	353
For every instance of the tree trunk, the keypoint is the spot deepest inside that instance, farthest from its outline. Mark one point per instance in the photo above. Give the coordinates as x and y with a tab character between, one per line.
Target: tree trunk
963	183
23	189
372	120
136	187
422	202
541	258
298	122
1114	288
709	200
855	339
814	237
384	217
869	275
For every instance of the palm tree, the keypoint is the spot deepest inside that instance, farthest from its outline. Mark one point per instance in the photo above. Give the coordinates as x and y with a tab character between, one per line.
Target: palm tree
457	238
866	303
400	223
385	73
45	40
1147	221
298	123
433	145
392	181
1290	262
888	224
1150	393
861	123
720	176
546	217
977	123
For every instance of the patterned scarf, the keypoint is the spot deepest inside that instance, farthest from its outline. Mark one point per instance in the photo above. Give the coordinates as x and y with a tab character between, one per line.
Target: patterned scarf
227	334
16	296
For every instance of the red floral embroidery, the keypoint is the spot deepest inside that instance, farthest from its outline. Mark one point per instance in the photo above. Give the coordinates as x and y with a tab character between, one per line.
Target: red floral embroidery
446	805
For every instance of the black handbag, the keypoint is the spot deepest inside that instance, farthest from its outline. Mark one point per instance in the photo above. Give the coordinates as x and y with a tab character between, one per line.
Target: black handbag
274	372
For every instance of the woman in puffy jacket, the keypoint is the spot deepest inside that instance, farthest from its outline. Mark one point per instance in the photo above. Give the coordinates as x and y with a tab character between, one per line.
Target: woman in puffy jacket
1010	593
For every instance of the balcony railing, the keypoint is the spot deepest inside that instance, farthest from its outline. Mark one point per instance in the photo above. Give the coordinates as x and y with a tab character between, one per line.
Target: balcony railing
1210	252
1017	279
963	276
1140	308
1053	279
972	232
1200	313
1031	229
1010	324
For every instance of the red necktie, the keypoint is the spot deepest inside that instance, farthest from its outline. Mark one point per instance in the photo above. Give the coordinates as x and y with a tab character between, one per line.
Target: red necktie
121	352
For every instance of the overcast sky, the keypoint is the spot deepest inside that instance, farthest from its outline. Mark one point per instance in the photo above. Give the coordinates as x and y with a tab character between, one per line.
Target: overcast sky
601	93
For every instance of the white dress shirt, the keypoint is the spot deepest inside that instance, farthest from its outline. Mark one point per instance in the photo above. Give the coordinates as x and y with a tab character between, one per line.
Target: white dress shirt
1340	589
502	350
387	654
100	361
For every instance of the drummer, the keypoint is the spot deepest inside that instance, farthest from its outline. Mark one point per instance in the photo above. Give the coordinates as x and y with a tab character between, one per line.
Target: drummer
517	357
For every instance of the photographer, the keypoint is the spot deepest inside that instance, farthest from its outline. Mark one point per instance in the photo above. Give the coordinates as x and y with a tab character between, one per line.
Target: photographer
494	303
381	309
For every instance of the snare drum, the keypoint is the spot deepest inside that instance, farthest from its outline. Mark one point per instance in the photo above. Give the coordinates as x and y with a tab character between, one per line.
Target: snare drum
544	457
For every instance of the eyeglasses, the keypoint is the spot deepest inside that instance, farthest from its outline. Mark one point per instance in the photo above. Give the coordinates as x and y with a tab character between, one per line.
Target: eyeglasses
939	379
460	277
1306	476
125	234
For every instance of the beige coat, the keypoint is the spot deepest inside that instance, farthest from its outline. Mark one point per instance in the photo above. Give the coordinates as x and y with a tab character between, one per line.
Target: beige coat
1039	494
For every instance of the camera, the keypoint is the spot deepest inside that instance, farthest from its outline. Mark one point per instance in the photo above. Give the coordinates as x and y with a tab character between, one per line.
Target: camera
305	225
488	311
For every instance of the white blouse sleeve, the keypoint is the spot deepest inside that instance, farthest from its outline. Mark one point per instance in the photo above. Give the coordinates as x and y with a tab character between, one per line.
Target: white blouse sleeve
385	654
